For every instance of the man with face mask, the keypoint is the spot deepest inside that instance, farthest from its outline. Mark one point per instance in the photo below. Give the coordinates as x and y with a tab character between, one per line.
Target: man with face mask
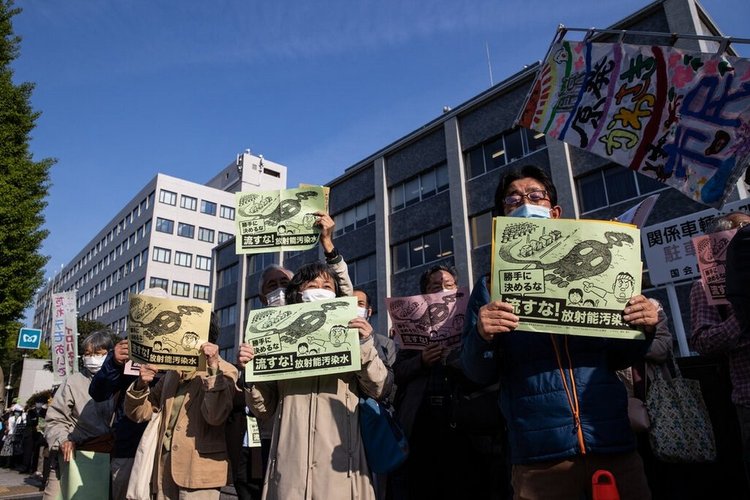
557	438
73	420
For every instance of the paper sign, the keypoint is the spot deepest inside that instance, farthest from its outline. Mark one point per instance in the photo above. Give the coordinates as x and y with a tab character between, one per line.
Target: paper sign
639	213
680	117
303	340
253	432
711	250
567	276
167	333
29	338
86	476
421	320
272	221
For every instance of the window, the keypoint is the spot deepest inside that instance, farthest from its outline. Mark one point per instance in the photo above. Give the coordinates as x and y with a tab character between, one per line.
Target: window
612	185
358	216
167	197
180	289
426	185
164	225
158	282
363	270
481	230
263	260
188	202
227	315
424	249
497	152
208	207
203	263
161	255
185	230
227	276
205	234
183	259
201	292
224	237
226	212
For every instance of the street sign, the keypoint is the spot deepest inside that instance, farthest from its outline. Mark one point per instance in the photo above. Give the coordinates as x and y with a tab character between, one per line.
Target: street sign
29	338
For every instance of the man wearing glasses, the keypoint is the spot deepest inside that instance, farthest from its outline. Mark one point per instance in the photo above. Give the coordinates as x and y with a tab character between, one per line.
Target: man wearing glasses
566	410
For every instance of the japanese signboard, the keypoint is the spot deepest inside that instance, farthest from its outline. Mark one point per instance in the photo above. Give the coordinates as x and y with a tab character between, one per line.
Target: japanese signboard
711	250
167	333
680	117
421	320
64	339
303	340
567	276
272	221
668	249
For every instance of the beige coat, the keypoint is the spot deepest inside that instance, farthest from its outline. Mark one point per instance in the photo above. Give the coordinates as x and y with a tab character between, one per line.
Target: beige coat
199	452
316	450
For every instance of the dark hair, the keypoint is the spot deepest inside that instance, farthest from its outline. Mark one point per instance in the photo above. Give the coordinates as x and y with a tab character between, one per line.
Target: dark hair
367	296
424	280
307	273
575	290
521	173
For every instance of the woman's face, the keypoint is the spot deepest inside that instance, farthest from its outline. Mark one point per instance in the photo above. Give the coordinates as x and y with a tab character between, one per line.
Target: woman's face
91	352
323	281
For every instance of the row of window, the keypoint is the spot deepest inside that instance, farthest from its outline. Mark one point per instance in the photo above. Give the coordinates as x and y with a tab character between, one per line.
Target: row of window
423	249
183	259
363	270
188	230
113	302
356	217
124	270
181	289
502	150
191	203
425	185
612	185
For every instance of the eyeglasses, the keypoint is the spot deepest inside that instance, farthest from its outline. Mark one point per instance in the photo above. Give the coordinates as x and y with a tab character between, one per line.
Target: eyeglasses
517	198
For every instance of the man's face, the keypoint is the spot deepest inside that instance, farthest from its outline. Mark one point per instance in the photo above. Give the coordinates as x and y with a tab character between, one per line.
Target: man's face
274	279
362	300
189	341
523	187
337	335
623	288
439	281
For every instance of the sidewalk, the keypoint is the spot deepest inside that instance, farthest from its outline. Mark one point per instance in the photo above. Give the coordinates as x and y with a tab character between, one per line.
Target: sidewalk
15	485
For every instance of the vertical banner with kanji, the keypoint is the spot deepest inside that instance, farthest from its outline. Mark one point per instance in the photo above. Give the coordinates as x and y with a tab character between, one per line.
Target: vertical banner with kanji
678	116
64	338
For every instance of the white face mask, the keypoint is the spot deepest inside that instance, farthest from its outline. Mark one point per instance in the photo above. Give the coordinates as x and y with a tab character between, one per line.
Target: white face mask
94	363
316	294
531	211
362	312
276	298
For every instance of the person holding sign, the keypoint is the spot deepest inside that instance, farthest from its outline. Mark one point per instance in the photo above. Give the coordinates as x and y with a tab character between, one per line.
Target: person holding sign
565	408
316	450
191	455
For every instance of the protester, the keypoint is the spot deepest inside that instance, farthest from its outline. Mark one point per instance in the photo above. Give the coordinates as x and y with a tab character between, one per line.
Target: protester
32	438
74	421
717	329
317	451
191	459
565	408
12	450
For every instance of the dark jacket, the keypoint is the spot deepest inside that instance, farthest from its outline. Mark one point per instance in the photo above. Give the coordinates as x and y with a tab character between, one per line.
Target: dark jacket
738	276
110	381
533	398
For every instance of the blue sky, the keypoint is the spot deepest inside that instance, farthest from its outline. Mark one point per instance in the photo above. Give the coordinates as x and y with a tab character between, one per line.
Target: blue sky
135	87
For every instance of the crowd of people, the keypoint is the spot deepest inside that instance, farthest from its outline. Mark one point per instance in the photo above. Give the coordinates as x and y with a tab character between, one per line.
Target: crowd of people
544	412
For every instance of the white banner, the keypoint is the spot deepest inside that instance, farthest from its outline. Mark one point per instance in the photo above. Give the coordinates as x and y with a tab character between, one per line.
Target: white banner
64	340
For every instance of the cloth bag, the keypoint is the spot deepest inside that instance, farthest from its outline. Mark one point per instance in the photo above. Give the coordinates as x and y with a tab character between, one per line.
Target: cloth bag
385	443
139	485
680	429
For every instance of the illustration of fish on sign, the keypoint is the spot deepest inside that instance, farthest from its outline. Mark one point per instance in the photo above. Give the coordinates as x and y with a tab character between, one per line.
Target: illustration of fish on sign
680	117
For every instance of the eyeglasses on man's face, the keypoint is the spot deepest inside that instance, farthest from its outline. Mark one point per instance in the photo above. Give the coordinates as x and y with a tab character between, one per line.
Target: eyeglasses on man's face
535	197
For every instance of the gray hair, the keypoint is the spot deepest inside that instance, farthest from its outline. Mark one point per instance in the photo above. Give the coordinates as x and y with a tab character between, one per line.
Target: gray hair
100	339
267	270
733	220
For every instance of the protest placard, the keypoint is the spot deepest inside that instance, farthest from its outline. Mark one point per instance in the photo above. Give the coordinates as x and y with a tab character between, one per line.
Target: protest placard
678	116
167	333
711	250
421	320
269	221
303	340
567	276
64	340
86	476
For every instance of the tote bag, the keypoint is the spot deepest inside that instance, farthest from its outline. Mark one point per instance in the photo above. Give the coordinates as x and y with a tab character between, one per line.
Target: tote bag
139	486
680	426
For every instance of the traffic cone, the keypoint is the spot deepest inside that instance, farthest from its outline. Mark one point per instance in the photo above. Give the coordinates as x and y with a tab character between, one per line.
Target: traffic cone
604	486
